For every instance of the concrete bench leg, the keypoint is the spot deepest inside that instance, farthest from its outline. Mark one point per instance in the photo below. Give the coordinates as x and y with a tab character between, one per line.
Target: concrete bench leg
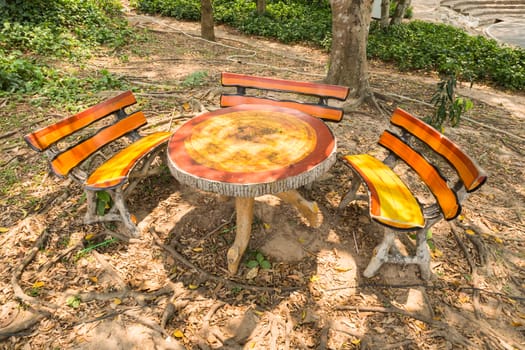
125	215
380	255
423	254
119	212
385	253
351	195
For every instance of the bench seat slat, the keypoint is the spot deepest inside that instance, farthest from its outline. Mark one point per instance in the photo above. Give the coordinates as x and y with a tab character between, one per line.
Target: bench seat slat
41	139
446	198
470	173
391	202
67	160
320	111
115	171
308	88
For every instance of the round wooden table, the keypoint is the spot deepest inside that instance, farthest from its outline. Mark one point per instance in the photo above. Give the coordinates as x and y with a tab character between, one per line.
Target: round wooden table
248	151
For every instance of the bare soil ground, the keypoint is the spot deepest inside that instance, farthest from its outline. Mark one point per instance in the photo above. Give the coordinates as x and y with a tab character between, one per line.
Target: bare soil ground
170	289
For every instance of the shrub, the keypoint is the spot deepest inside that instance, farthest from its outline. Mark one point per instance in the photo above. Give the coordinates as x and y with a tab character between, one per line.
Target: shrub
419	45
180	9
91	21
39	30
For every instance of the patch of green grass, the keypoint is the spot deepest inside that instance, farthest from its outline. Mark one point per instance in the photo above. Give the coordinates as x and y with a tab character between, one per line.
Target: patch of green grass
94	246
12	187
8	178
195	79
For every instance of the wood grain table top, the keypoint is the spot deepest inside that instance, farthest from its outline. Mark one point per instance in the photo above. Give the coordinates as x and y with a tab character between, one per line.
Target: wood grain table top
251	150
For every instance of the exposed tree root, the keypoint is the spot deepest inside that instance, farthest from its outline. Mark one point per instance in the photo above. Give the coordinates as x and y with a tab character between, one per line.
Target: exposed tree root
146	322
140	297
58	257
472	265
110	270
386	310
36	310
25	320
274	332
446	331
167	315
204	332
477	241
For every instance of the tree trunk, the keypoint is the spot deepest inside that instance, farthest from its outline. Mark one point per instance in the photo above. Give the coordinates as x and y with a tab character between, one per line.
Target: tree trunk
261	7
399	13
385	13
348	63
207	29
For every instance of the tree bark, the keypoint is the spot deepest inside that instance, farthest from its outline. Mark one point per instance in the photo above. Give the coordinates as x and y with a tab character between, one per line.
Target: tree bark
348	62
399	13
261	7
385	13
207	29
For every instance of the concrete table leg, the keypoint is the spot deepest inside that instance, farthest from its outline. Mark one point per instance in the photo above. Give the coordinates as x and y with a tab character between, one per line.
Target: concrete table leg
310	210
244	212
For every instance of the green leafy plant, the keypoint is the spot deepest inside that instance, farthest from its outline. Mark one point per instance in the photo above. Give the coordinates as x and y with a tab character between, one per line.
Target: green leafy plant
428	235
104	202
73	301
420	45
236	290
180	9
430	241
29	40
449	107
257	259
195	79
36	288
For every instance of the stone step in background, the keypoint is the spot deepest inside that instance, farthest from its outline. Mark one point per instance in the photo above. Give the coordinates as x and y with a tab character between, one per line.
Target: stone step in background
500	20
488	11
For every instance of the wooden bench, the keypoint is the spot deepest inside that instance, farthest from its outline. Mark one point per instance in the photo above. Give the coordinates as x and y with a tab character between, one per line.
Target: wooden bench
76	148
256	90
394	205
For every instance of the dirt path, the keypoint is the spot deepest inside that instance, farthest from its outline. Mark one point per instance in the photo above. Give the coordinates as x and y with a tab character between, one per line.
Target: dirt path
170	289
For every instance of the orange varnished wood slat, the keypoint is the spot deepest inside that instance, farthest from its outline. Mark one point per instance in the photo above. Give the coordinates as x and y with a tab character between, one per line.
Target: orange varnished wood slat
115	171
471	174
321	90
45	137
66	161
446	198
391	202
319	111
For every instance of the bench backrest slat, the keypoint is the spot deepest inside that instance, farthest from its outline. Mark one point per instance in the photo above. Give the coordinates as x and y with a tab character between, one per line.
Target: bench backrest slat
65	161
445	196
470	173
43	138
307	88
320	111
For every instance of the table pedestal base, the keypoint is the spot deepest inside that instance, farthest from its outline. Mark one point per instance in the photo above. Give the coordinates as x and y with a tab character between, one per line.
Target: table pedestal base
244	213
